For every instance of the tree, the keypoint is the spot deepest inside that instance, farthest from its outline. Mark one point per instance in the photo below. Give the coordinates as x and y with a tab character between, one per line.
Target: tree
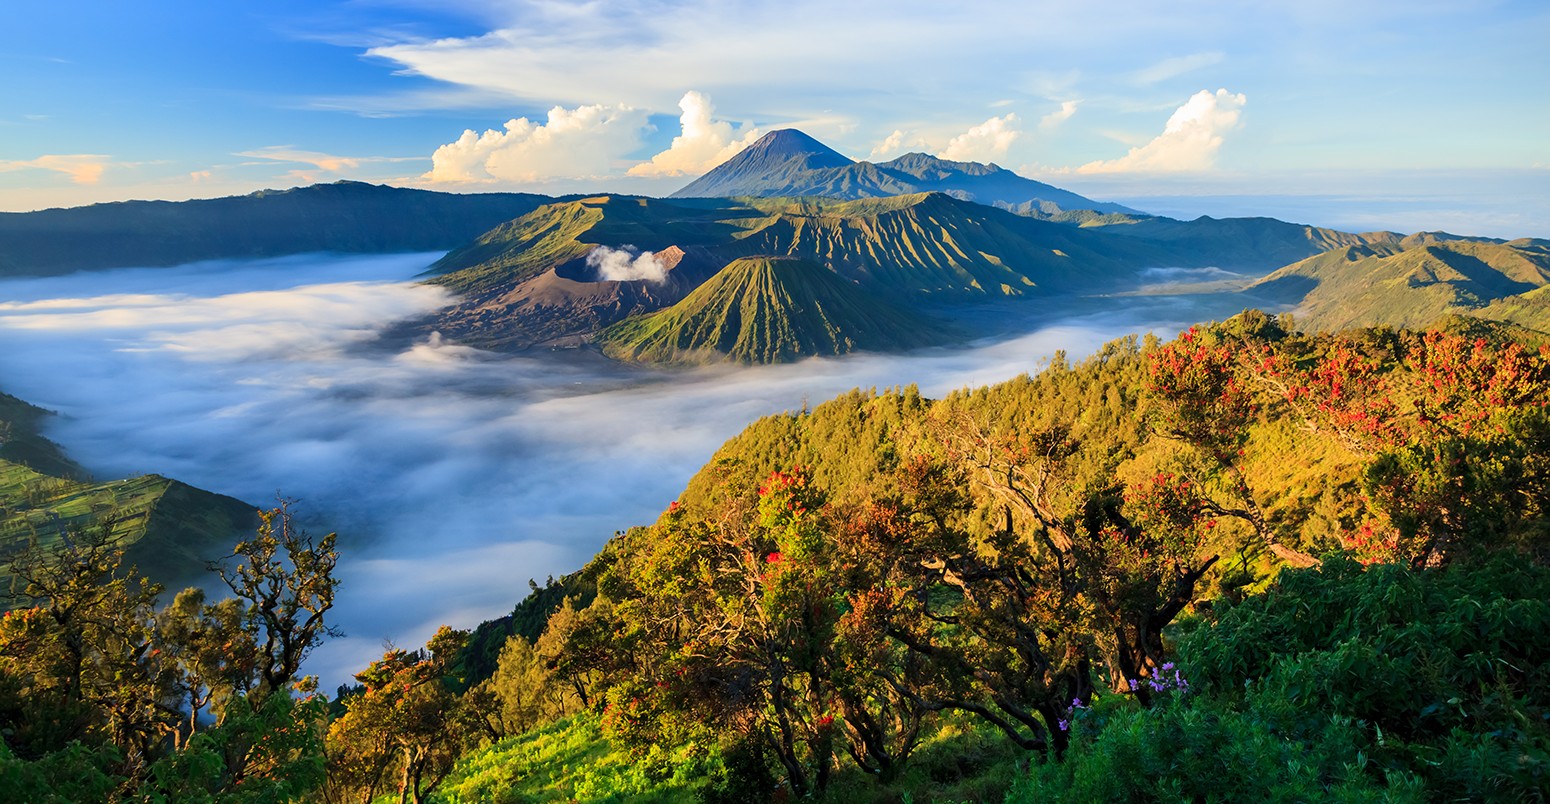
408	718
81	653
287	581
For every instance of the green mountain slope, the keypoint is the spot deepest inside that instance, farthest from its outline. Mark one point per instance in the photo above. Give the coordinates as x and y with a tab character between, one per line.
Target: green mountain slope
531	281
169	528
921	244
1241	244
931	244
343	217
22	441
764	310
1415	281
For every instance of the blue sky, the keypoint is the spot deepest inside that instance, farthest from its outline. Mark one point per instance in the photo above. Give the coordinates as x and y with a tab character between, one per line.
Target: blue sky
1405	114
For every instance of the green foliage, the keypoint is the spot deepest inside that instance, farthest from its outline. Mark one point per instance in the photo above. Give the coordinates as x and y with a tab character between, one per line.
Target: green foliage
72	774
1018	555
1199	750
527	620
407	727
93	677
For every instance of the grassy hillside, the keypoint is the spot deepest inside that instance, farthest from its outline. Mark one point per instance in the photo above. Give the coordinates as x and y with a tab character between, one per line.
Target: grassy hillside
766	310
169	528
933	245
22	441
556	233
1416	281
525	282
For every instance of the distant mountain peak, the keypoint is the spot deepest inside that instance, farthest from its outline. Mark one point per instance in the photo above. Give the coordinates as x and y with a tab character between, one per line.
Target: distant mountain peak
783	153
789	143
788	162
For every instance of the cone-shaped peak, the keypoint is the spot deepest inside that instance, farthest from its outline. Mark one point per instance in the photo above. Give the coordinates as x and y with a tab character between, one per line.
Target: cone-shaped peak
789	143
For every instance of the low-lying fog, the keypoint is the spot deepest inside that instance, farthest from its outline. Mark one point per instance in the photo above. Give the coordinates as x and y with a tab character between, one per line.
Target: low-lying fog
452	475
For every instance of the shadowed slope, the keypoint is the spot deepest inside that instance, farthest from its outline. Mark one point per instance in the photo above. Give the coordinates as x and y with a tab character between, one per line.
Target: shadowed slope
344	216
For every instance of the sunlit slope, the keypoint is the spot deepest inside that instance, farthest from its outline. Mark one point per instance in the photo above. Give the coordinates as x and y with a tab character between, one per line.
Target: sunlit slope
766	310
1417	281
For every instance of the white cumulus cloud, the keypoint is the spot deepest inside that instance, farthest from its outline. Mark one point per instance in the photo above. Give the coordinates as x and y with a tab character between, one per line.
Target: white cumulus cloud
704	143
587	141
1189	141
985	142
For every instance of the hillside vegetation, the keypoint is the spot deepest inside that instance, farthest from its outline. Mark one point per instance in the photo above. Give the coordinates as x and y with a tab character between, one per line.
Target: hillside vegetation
1248	559
918	251
1416	281
1245	559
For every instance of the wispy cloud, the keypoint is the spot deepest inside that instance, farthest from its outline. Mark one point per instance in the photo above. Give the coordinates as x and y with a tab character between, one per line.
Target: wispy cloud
703	144
1189	141
81	168
326	162
1061	115
1175	67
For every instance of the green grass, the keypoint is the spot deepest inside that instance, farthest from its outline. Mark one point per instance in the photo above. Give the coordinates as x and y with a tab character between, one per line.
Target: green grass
571	760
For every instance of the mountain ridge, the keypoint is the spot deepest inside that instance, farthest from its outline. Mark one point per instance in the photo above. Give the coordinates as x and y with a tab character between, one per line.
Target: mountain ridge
765	309
789	163
345	217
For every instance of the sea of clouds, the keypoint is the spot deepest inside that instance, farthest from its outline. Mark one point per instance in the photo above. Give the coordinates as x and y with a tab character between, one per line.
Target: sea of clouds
453	475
